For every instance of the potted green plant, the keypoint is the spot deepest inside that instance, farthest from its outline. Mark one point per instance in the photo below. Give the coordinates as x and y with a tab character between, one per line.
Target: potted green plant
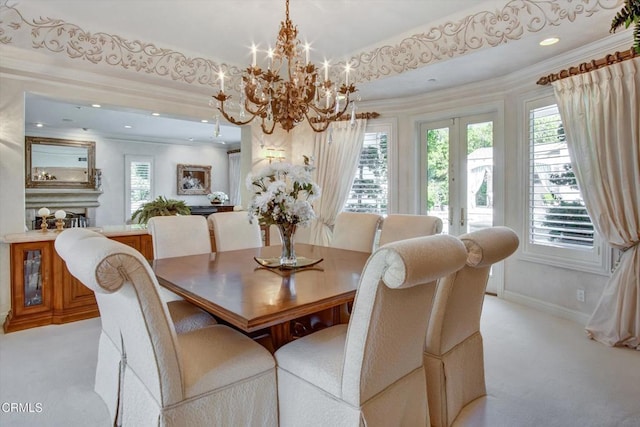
160	207
629	14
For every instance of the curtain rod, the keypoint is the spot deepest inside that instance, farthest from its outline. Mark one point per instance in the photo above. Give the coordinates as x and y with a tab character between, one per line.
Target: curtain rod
586	67
347	116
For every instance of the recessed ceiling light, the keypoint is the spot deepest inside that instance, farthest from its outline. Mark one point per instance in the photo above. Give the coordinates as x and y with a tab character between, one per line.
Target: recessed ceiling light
191	139
155	114
204	121
549	41
128	126
96	105
39	125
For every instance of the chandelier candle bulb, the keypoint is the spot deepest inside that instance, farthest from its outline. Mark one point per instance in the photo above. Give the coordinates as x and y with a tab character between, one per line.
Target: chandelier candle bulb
221	75
253	55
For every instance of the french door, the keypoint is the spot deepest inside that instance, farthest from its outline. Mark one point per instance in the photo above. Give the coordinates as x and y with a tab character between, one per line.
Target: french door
457	185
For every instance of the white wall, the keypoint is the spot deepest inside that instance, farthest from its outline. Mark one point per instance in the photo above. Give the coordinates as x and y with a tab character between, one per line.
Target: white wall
110	157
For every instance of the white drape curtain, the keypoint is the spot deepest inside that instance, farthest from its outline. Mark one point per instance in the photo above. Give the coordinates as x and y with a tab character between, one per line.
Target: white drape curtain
235	180
336	164
601	114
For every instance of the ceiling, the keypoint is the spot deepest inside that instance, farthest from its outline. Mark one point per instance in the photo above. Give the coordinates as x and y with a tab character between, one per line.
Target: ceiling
458	42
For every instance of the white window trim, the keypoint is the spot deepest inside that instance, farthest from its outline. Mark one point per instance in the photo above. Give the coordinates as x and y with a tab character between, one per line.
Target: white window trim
128	159
596	260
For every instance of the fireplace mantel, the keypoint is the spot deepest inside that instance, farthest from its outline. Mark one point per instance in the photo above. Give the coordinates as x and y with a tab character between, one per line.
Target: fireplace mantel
69	198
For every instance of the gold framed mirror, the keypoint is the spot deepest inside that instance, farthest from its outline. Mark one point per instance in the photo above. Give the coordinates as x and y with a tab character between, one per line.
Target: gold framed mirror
59	163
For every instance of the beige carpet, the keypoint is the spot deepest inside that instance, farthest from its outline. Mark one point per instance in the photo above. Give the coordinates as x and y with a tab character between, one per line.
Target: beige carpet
541	371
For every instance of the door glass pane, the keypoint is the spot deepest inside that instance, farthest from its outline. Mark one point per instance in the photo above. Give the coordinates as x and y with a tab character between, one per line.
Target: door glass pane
479	176
438	175
32	263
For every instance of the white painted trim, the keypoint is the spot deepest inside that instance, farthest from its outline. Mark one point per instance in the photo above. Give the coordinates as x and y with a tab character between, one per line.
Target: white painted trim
546	307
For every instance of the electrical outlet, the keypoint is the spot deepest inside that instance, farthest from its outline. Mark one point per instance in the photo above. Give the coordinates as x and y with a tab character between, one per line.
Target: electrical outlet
580	295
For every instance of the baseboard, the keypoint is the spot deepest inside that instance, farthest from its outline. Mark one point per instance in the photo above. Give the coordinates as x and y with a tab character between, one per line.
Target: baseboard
556	310
3	317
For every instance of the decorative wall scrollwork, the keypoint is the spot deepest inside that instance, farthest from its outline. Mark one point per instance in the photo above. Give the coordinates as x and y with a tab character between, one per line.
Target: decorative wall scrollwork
473	32
449	39
60	37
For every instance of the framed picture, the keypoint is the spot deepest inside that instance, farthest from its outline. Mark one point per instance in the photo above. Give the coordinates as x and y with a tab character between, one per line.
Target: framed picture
194	179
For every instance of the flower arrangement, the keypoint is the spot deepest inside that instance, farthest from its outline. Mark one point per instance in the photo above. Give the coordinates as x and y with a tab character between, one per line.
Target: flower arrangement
217	197
283	194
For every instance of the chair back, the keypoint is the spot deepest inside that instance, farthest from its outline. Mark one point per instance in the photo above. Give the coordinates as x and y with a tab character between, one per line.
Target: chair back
355	231
454	353
302	235
127	294
274	236
233	231
175	236
458	303
400	227
391	310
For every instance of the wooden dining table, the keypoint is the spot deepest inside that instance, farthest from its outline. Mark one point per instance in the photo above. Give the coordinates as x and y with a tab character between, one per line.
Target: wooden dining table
234	287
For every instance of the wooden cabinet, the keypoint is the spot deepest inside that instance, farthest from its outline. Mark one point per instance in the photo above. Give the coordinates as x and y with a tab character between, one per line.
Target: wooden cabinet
43	292
31	285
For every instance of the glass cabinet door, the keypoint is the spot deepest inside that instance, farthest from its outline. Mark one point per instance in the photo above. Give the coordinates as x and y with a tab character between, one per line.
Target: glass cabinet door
32	268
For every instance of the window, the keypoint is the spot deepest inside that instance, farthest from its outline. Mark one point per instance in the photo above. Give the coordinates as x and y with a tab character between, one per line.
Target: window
559	229
139	182
370	188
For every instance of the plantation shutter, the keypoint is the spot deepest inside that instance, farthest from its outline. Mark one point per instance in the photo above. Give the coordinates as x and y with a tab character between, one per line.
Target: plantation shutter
140	175
369	191
557	214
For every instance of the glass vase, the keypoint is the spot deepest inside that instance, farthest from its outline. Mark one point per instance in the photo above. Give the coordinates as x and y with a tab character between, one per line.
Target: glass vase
288	255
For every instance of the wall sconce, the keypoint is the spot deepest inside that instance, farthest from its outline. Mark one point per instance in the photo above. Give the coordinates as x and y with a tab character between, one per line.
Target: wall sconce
275	154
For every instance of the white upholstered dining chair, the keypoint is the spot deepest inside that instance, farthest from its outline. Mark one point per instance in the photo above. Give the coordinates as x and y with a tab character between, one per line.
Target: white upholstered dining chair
184	315
355	231
166	378
371	372
274	235
454	354
174	236
233	231
180	235
400	226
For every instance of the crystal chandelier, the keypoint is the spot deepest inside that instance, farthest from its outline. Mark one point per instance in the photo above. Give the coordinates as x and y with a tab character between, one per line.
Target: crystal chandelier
289	90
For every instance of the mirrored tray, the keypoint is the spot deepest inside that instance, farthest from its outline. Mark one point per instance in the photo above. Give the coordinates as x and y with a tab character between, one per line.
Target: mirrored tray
275	263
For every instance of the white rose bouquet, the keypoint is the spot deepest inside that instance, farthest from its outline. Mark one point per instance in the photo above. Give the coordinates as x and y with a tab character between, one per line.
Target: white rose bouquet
283	194
217	197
